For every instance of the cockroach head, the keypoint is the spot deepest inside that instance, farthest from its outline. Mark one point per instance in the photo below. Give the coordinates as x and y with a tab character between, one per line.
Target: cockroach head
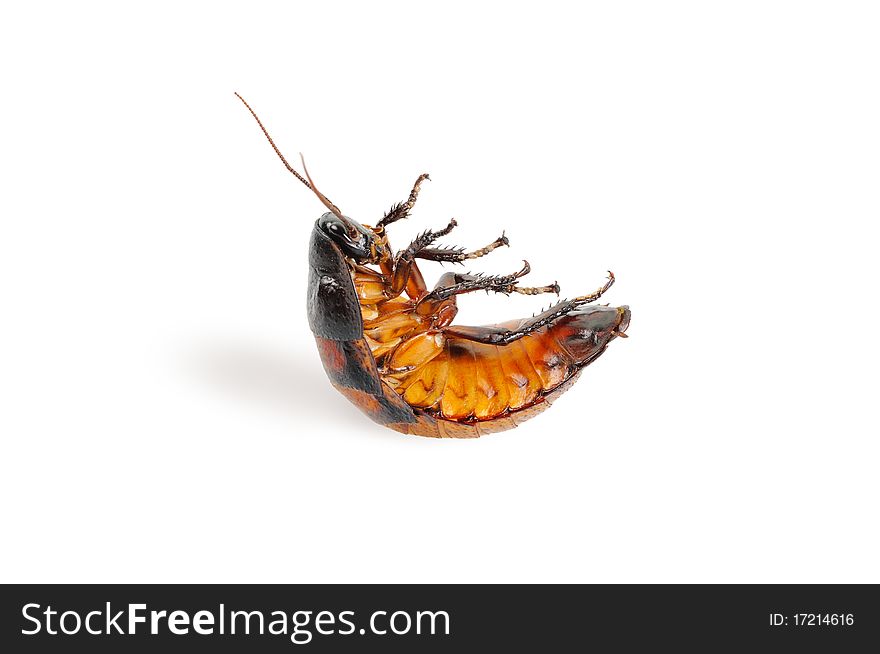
358	242
354	240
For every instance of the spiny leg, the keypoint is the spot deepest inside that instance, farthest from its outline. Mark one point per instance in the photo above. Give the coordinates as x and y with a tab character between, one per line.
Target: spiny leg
537	290
404	260
458	255
426	238
502	336
401	210
592	297
453	284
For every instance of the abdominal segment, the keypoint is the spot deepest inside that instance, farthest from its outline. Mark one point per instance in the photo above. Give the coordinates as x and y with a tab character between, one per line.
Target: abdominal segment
458	379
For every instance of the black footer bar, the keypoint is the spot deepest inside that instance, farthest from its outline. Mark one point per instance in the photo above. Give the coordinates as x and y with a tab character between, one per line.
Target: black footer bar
427	618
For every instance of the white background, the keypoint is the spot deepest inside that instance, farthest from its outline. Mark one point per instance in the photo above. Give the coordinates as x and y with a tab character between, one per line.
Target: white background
164	414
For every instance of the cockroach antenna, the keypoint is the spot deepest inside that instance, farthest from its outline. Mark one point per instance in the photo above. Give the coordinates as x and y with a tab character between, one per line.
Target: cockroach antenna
323	198
272	143
308	182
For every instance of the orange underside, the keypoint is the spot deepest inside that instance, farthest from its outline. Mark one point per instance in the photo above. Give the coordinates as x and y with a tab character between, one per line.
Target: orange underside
457	379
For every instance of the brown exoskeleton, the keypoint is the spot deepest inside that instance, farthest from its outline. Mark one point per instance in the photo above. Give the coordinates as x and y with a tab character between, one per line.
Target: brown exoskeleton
388	343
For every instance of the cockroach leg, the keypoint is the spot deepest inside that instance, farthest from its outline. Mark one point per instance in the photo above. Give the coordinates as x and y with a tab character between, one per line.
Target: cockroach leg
426	238
444	317
497	243
452	284
401	210
458	255
586	299
502	336
537	290
404	260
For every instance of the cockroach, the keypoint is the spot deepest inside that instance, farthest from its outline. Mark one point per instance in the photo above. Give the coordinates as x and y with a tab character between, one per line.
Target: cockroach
388	343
